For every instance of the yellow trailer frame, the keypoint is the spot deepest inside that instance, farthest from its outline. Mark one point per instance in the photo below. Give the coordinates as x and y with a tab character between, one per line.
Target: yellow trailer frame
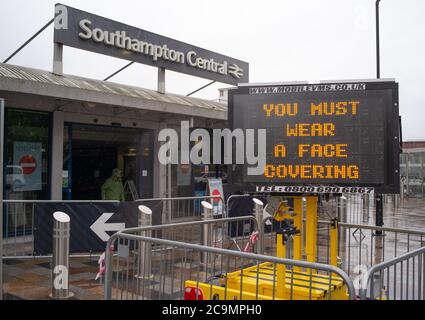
244	285
268	281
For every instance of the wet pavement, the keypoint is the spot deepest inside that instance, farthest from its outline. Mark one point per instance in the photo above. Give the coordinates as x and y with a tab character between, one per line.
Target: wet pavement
409	215
31	279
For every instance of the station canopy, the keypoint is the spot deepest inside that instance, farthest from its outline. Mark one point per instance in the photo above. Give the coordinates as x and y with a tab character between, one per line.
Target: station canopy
68	89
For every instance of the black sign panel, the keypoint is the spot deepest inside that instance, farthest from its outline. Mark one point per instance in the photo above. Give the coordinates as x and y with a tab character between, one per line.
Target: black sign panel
84	237
90	32
341	134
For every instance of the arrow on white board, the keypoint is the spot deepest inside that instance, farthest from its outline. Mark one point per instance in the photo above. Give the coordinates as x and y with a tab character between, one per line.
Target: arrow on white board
100	226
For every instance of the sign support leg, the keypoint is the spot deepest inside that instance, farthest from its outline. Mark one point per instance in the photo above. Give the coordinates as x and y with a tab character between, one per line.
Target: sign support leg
379	213
333	245
311	228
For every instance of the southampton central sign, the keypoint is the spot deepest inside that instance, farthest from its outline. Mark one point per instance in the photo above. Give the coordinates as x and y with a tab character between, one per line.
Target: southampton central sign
97	34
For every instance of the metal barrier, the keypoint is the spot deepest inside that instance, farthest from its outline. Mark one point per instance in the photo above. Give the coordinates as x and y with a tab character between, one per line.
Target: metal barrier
19	226
182	209
401	278
348	208
362	246
179	267
358	246
20	223
235	196
230	233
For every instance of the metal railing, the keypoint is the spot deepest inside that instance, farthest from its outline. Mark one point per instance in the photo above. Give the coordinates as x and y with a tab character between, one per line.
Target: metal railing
236	196
401	278
216	271
359	246
18	240
349	208
180	209
230	233
362	246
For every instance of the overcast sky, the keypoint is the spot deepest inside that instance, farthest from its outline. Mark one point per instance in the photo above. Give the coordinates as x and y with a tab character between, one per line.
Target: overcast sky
283	40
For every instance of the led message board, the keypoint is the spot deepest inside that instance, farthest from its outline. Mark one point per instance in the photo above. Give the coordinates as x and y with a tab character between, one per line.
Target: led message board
335	136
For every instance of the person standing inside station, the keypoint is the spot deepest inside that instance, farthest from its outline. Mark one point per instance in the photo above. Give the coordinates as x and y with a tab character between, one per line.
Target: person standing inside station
113	188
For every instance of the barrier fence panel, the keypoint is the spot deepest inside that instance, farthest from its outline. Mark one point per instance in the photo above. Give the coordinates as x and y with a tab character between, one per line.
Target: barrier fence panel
188	256
229	233
401	278
350	208
358	246
182	270
27	231
356	208
362	246
20	227
182	209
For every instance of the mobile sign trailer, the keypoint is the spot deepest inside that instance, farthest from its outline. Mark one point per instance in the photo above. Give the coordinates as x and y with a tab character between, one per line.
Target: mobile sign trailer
320	138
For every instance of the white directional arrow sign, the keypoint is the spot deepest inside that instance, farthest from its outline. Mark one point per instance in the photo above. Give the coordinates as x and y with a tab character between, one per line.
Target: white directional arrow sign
100	226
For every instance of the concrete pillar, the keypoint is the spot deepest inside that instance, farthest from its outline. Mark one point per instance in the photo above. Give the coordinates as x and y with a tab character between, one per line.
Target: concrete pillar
58	59
161	80
57	156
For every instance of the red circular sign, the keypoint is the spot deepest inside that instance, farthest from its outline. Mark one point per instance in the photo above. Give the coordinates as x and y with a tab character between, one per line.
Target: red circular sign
28	164
217	193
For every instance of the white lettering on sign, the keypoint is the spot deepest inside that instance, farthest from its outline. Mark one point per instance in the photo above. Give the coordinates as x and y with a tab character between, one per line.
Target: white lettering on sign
206	64
119	39
315	189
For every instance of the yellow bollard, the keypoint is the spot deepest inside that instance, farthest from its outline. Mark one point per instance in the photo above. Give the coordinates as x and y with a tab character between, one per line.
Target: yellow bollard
280	268
311	229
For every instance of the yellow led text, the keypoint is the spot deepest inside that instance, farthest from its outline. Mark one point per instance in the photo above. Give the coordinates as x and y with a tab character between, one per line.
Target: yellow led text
334	108
279	151
281	109
327	151
310	130
312	171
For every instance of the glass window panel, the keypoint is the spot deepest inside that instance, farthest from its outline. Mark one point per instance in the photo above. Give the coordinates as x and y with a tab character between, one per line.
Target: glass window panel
27	154
26	166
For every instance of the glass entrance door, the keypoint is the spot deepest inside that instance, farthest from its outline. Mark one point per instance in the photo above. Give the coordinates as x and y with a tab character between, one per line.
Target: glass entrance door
93	154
